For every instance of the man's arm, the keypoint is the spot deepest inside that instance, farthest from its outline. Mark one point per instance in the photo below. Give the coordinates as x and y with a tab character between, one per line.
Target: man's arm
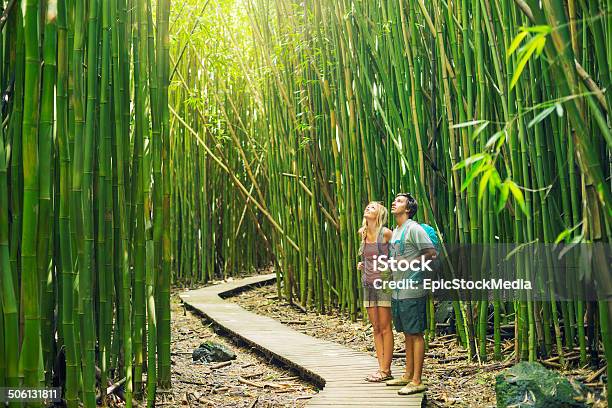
429	253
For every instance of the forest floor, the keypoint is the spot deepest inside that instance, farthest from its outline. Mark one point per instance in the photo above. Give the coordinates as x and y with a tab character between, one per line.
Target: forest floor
249	381
452	380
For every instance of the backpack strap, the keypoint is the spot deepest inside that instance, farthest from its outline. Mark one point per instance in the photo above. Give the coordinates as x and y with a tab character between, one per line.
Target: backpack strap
403	238
415	276
380	240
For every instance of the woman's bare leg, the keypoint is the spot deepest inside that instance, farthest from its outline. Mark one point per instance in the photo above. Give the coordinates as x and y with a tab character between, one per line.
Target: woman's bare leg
378	340
384	323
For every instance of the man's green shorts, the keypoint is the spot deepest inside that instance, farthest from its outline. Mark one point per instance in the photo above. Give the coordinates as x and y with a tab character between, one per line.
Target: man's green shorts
409	315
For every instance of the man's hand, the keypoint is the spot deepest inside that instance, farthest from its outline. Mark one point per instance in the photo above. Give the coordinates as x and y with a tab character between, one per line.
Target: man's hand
360	266
429	253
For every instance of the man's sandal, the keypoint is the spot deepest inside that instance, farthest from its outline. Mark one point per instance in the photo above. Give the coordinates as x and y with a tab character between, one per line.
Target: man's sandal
410	389
379	376
399	381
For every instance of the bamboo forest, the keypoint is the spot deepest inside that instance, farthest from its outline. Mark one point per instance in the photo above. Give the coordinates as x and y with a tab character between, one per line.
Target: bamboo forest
154	154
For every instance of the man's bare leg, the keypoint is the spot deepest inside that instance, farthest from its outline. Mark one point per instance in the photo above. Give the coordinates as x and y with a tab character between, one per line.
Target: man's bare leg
409	356
418	347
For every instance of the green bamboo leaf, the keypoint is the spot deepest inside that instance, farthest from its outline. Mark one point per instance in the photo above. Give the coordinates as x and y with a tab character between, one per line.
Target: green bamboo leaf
564	234
470	160
494	181
479	129
518	249
567	248
470	123
484	181
497	139
518	195
541	116
516	42
538	29
530	48
540	43
503	196
473	172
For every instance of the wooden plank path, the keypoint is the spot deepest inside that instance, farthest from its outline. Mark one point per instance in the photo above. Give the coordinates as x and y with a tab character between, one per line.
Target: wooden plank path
339	370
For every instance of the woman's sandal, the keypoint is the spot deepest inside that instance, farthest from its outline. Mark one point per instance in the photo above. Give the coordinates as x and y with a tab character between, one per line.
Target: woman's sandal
410	389
379	376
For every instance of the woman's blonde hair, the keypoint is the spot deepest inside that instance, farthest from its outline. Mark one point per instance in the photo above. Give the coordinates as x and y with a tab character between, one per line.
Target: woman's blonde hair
381	220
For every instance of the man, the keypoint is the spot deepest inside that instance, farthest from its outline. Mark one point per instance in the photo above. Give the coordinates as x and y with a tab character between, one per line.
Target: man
409	241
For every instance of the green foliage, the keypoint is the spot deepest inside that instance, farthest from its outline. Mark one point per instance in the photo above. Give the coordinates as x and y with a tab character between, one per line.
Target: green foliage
530	384
324	106
85	125
536	41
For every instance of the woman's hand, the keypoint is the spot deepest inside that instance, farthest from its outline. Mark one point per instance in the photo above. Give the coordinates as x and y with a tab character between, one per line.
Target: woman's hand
360	266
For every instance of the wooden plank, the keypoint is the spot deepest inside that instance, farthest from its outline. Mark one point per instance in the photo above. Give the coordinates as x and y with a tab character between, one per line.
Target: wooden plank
372	394
357	401
351	390
340	368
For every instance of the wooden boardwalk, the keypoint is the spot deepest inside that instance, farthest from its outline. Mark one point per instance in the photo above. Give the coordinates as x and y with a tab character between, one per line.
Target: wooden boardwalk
339	370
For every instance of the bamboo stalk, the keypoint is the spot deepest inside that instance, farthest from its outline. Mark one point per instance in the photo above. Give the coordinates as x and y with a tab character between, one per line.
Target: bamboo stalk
29	357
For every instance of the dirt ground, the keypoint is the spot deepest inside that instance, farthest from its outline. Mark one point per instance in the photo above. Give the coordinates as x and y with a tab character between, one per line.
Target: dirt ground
249	381
452	380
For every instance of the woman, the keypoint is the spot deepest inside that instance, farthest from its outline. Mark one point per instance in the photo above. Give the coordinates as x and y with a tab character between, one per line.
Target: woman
374	242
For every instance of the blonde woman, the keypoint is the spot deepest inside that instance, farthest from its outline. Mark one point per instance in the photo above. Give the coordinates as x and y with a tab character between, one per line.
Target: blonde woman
374	242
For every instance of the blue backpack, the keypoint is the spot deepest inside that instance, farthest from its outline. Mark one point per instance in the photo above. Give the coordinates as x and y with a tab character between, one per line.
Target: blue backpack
432	236
416	276
431	233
